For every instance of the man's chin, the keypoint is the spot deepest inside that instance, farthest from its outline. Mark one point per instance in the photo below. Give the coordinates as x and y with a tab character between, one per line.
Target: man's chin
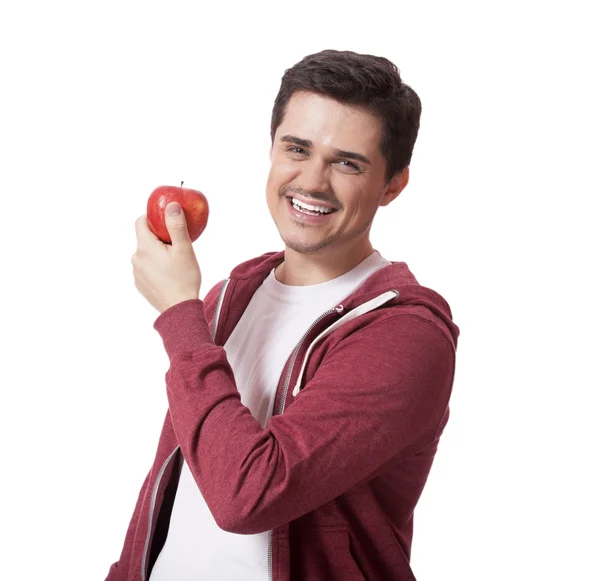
304	246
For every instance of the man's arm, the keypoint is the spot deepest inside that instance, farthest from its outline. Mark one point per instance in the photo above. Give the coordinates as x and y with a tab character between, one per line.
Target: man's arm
381	391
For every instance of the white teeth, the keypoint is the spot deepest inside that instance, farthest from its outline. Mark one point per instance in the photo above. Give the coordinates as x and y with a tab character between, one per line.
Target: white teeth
310	207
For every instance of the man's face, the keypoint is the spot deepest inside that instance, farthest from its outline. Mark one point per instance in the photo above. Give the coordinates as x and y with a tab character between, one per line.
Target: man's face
326	154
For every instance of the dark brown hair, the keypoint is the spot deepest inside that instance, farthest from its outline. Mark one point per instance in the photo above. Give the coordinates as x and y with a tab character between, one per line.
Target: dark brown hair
359	79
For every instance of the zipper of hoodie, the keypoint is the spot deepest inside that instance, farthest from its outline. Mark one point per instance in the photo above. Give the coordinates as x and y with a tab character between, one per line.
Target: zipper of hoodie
288	376
166	462
218	309
286	386
151	510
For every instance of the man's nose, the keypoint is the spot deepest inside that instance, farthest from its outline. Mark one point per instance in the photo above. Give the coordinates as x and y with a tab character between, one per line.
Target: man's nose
315	176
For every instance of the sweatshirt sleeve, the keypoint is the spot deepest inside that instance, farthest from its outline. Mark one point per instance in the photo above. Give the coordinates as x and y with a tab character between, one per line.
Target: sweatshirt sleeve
383	390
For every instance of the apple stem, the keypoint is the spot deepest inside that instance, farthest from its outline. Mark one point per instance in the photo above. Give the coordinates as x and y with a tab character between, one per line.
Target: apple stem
182	184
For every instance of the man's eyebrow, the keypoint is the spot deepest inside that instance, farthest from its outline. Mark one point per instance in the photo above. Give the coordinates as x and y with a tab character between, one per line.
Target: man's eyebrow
302	142
338	152
351	155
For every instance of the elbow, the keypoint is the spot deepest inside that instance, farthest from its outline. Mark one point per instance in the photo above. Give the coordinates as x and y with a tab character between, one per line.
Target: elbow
236	526
233	519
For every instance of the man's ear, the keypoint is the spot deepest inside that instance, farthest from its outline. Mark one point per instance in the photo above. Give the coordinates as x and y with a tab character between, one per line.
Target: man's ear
396	185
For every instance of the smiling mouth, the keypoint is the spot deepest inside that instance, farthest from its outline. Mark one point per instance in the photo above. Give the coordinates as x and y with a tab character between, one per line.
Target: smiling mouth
310	209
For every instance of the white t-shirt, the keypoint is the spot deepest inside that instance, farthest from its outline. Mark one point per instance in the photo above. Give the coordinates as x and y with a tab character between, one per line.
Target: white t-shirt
257	350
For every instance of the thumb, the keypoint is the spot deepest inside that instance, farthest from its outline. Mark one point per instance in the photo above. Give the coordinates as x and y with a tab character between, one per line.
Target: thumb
176	223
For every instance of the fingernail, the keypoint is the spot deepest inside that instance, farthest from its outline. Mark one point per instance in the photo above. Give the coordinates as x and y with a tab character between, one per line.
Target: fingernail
173	209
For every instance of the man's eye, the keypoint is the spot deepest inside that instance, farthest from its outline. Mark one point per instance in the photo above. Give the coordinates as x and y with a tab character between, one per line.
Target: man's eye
296	149
349	165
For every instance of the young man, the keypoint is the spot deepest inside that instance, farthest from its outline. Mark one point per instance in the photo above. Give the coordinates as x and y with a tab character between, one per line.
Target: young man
308	391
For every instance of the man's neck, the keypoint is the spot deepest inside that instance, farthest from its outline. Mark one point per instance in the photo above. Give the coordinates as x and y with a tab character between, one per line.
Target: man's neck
300	269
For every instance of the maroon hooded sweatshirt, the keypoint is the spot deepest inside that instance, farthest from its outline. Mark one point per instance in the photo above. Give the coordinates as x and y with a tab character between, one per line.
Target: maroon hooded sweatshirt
337	472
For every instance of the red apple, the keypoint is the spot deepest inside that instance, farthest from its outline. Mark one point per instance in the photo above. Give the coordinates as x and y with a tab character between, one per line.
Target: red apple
193	203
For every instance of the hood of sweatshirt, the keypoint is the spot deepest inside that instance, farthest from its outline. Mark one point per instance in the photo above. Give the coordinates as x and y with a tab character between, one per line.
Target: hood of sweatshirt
394	277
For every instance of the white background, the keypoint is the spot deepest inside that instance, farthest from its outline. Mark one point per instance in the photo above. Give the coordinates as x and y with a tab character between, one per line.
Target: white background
103	101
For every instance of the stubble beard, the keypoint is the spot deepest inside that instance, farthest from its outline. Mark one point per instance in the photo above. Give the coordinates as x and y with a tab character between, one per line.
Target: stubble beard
332	241
304	247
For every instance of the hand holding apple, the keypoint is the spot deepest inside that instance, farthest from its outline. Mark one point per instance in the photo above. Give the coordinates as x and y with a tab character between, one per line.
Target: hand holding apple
165	267
193	203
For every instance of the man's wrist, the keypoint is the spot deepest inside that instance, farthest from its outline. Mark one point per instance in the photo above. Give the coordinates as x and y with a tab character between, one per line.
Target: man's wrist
183	327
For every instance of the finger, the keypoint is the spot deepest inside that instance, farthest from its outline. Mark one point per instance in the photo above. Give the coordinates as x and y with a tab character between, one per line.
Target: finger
145	236
176	223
